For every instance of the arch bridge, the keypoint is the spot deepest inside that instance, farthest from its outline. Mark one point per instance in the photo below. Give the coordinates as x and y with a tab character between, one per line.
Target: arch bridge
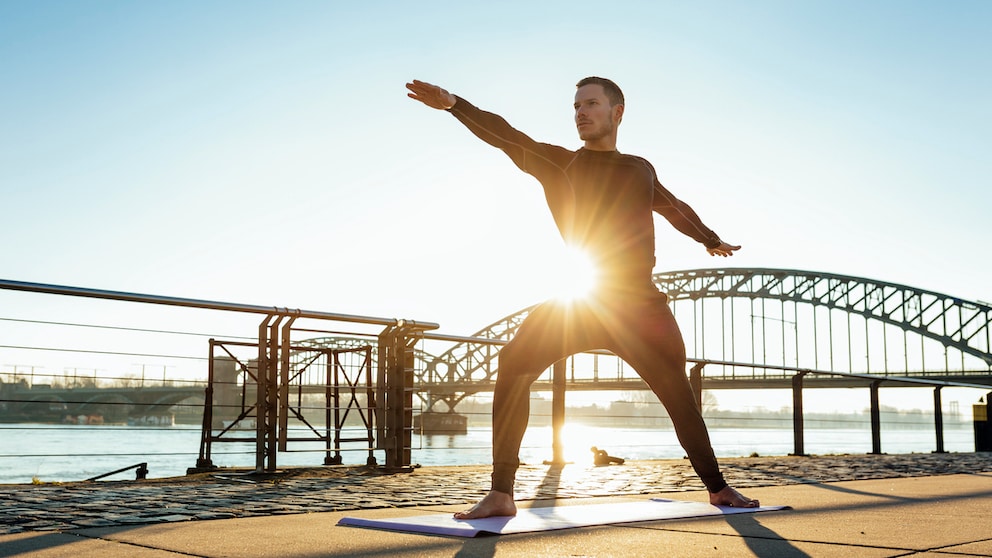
767	317
118	403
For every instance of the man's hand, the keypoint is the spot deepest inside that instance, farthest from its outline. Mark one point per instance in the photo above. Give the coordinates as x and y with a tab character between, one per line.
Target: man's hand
431	95
723	249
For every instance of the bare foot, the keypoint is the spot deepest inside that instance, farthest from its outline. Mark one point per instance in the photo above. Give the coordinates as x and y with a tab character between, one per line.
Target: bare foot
492	505
730	497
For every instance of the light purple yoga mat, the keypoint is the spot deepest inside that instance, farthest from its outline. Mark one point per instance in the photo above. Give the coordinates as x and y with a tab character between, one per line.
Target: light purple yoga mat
549	519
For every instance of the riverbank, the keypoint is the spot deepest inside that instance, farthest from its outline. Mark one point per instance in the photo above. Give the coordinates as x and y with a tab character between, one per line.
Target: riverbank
74	452
238	493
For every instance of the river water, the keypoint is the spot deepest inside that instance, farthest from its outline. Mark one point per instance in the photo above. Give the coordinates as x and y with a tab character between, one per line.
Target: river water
53	453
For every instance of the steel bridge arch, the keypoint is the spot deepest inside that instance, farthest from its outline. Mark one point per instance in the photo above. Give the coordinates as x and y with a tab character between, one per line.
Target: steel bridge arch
951	321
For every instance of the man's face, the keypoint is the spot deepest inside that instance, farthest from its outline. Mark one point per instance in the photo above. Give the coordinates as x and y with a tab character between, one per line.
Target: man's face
594	117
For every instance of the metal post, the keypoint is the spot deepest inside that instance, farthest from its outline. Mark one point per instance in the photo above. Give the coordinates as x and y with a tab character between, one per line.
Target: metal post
283	386
206	430
265	404
394	404
938	419
797	414
557	412
260	389
272	398
876	421
331	404
409	364
370	460
385	377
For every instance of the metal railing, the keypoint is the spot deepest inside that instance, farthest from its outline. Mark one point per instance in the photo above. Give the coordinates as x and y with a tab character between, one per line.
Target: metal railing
268	366
393	406
873	382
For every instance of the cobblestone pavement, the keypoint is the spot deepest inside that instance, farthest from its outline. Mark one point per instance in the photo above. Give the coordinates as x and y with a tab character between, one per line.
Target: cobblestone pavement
49	507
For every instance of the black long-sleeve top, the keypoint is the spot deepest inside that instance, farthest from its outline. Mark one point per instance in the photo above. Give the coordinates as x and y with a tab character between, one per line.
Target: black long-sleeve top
601	201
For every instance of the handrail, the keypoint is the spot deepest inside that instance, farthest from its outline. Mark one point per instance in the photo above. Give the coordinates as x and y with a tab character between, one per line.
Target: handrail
271	397
859	375
206	304
140	472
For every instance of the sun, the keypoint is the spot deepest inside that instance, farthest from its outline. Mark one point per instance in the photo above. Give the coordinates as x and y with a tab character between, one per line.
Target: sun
578	275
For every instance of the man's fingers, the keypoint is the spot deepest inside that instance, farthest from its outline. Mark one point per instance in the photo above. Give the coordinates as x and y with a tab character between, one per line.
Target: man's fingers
422	87
418	86
429	94
723	250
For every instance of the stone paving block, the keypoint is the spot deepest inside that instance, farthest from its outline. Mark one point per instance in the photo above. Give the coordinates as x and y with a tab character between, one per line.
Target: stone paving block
173	518
214	515
47	526
94	522
53	507
135	519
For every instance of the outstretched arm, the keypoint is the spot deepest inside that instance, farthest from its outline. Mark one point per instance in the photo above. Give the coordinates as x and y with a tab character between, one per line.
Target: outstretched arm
685	220
430	94
532	157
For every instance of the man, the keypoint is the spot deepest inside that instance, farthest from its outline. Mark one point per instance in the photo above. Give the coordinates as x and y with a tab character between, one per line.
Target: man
602	202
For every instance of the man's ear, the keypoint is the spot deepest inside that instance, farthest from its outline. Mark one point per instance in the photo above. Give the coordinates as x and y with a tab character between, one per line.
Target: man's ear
617	113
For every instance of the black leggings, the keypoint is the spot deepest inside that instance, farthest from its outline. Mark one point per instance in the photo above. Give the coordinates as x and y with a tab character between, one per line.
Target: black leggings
640	329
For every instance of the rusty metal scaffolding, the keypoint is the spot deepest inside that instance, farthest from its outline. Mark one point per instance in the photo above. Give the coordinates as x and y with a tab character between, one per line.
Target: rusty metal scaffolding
342	377
272	385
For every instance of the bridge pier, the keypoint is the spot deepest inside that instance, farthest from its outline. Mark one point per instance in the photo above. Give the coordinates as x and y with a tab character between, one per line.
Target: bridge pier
557	413
798	441
938	419
876	419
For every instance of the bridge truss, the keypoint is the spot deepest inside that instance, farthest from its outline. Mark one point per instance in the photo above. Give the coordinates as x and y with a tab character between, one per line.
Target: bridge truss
836	322
772	317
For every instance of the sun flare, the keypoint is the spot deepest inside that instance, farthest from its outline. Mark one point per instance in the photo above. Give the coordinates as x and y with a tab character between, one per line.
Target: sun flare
578	275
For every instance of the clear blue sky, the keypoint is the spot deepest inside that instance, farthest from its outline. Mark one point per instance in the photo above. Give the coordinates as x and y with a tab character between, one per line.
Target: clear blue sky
178	148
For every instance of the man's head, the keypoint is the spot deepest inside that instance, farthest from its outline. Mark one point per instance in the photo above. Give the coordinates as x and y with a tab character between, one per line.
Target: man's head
599	109
611	89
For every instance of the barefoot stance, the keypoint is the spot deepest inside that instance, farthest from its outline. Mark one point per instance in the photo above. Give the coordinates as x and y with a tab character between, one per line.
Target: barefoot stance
500	504
493	505
730	497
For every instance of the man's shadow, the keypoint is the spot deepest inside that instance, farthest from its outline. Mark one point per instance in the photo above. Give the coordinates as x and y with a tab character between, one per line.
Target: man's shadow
761	540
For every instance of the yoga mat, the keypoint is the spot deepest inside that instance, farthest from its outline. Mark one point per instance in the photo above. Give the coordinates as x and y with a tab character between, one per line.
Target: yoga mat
549	519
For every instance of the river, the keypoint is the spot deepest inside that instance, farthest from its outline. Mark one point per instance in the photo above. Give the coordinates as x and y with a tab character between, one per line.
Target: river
54	453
